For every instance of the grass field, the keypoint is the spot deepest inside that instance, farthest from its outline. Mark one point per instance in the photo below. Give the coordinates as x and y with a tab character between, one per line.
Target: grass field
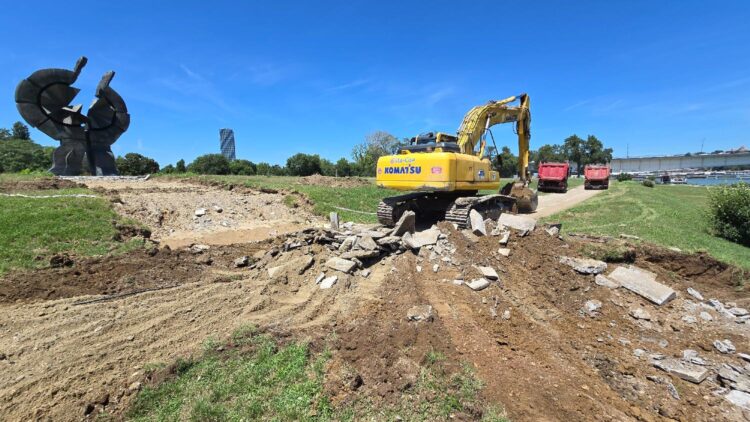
257	379
34	228
666	215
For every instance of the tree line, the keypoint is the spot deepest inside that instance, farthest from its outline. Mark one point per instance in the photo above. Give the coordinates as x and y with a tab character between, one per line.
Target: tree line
19	153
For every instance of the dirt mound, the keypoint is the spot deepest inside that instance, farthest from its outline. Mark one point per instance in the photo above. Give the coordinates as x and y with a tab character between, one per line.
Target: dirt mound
102	276
336	182
44	183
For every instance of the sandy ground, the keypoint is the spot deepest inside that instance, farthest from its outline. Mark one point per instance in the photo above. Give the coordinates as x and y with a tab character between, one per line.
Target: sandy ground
552	203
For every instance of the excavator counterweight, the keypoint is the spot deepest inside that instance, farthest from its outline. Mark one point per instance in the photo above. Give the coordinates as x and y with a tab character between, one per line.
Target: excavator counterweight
445	172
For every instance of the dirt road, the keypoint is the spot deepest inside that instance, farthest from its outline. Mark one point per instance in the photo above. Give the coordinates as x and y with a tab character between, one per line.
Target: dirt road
552	203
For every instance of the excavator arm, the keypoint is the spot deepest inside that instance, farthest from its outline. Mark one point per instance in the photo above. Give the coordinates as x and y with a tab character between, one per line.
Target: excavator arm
478	120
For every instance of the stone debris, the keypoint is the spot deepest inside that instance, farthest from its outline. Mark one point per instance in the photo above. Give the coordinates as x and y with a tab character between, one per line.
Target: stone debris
629	236
341	264
731	378
328	282
478	284
640	313
685	370
740	312
724	346
739	398
705	316
320	278
504	238
458	282
200	212
477	224
435	268
744	356
584	265
242	261
591	307
419	313
419	268
196	249
405	224
348	243
488	273
367	243
720	308
602	280
689	319
553	229
504	252
694	293
506	315
643	283
521	223
334	218
218	209
420	239
365	273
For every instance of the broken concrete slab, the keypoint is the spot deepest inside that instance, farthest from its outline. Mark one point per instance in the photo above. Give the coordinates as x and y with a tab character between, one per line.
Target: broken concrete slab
476	221
734	379
488	273
200	212
361	254
504	251
328	282
687	371
724	346
419	313
504	237
341	264
420	239
389	241
592	306
367	243
297	265
643	283
739	398
320	278
519	222
694	293
405	224
584	265
738	311
639	313
334	218
478	284
706	316
602	280
348	244
242	261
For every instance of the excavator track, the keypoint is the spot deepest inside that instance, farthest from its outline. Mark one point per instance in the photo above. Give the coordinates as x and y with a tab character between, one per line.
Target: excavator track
390	209
455	209
489	206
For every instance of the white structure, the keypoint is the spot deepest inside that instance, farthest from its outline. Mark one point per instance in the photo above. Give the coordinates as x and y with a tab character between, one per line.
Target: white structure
739	157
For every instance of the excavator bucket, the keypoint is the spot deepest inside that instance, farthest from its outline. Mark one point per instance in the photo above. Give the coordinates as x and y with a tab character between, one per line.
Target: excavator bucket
526	198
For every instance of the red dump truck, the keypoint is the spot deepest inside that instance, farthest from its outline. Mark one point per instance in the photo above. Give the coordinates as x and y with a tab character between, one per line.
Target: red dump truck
597	176
553	177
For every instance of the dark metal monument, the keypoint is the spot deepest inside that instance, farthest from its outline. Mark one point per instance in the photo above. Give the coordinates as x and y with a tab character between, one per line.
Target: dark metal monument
43	99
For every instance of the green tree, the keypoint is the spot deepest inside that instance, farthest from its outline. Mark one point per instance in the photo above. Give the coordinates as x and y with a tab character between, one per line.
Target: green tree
134	164
343	168
242	167
277	170
594	151
22	154
5	134
375	145
21	131
508	166
303	164
168	169
574	149
327	168
550	154
210	164
180	166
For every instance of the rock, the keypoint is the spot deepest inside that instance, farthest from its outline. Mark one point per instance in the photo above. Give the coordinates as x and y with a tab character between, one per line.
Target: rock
405	224
320	278
419	313
218	209
476	222
725	346
706	316
435	268
328	282
673	391
639	353
738	311
488	273
458	282
739	398
506	315
200	212
365	273
553	229
694	293
519	222
734	379
367	243
478	284
389	241
341	264
584	265
743	356
347	244
204	260
361	254
497	230
504	238
196	249
504	252
419	268
629	236
687	371
602	280
643	283
334	218
674	249
640	313
592	306
135	386
242	261
689	319
423	238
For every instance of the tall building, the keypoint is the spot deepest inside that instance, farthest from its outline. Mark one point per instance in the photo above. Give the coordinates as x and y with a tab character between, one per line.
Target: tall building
226	138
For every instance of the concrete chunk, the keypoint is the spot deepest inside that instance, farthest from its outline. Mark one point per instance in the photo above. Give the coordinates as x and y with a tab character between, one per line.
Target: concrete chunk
601	280
328	282
504	251
405	224
419	313
504	237
519	222
478	284
367	243
694	293
477	223
334	220
419	239
643	283
341	264
584	265
360	254
488	273
687	371
739	398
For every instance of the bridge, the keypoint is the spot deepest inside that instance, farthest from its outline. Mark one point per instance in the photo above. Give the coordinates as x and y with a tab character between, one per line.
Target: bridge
675	163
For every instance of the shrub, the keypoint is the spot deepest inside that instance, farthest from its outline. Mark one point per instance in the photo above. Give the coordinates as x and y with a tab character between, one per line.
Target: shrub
210	164
622	177
648	183
242	167
20	154
134	164
729	212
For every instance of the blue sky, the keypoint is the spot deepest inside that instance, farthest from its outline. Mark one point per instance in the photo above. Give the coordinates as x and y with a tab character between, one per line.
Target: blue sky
316	77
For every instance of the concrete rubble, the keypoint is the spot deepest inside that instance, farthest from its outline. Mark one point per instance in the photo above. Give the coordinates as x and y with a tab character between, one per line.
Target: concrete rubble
522	223
328	282
478	226
602	280
419	313
685	370
724	346
643	283
478	284
488	273
694	293
584	265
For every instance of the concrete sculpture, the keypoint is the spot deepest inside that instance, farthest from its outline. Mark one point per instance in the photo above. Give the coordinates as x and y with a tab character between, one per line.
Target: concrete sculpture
43	100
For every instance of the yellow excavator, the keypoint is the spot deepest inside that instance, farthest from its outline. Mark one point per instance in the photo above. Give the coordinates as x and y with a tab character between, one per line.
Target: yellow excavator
445	172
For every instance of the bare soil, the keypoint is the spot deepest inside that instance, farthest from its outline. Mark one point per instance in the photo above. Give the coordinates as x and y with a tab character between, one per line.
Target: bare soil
44	183
548	361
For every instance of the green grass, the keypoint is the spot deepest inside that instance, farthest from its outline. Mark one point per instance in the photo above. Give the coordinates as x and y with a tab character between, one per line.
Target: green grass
665	215
256	379
43	227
